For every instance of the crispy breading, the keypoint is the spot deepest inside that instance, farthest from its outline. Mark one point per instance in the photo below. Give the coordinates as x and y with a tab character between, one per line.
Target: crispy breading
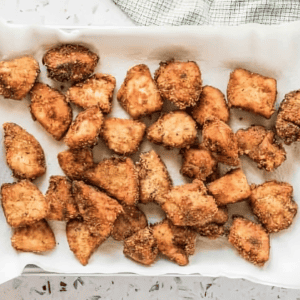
288	118
24	154
138	94
128	223
272	202
211	103
141	247
23	203
123	136
60	197
37	237
260	145
17	77
118	177
231	188
74	162
221	141
188	204
154	178
98	210
252	92
175	242
84	131
81	242
251	240
50	108
175	129
179	82
96	90
70	62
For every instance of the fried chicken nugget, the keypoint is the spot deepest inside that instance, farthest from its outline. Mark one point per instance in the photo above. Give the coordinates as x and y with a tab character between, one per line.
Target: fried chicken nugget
141	247
97	90
221	141
175	129
252	92
211	103
231	188
84	131
24	154
17	77
177	243
37	238
98	210
23	204
81	241
61	199
118	177
260	145
70	62
138	94
74	162
154	178
123	136
251	240
273	204
179	82
128	223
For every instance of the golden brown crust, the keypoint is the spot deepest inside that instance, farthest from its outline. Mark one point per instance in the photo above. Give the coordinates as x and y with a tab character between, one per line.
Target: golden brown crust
24	154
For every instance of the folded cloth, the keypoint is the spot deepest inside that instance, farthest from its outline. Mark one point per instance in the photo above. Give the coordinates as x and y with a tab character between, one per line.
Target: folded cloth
210	12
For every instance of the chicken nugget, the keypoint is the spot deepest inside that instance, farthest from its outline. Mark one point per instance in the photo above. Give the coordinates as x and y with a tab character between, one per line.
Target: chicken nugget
98	210
179	82
177	243
50	108
70	62
231	188
212	103
61	199
23	204
141	247
24	154
154	178
251	240
175	129
118	177
138	94
74	162
260	145
128	223
84	131
123	136
221	141
272	202
252	92
17	77
81	241
95	91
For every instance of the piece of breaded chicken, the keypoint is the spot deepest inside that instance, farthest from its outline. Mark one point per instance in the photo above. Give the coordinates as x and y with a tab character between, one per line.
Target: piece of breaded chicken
17	77
50	108
179	82
272	202
24	154
84	131
23	203
252	92
138	94
118	177
123	136
70	62
260	145
95	91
